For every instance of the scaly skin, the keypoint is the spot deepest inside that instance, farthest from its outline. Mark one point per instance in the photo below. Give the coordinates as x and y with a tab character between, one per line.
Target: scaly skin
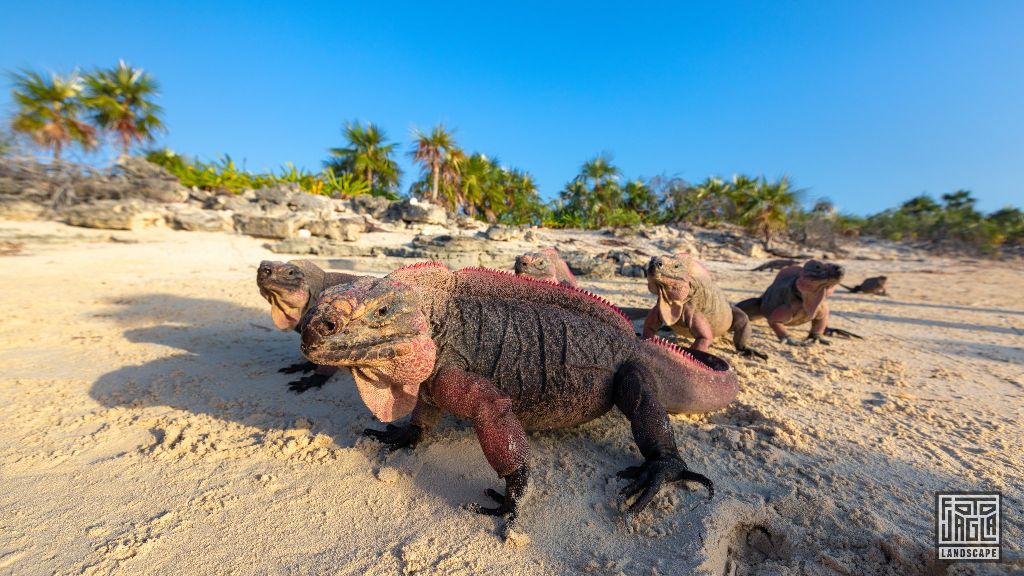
691	304
511	354
798	296
291	288
873	285
546	264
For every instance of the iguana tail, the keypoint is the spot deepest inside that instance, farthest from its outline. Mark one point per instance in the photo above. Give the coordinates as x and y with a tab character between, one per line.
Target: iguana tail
689	381
854	289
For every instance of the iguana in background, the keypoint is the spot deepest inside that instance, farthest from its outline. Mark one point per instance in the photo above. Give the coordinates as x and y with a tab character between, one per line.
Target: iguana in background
775	265
691	304
873	285
291	288
546	264
511	354
797	296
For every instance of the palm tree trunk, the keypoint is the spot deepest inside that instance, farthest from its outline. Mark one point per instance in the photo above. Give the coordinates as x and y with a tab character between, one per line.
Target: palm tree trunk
437	174
369	179
56	151
125	143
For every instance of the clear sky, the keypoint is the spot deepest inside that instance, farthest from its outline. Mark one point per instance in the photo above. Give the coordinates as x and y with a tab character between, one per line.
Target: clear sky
867	103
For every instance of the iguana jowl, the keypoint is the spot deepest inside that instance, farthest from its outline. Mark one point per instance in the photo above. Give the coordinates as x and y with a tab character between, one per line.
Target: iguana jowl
798	295
291	288
511	354
691	304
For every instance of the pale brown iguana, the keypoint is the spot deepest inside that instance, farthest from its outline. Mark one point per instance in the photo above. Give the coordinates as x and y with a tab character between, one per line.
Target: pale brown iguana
546	264
691	304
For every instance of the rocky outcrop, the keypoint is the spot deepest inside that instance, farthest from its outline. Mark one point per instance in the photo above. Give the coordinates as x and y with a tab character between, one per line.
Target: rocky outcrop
413	211
114	215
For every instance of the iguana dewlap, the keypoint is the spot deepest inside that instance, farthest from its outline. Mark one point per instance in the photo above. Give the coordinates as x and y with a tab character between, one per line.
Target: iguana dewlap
510	354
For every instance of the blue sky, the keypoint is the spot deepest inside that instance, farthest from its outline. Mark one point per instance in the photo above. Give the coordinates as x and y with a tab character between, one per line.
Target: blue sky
867	103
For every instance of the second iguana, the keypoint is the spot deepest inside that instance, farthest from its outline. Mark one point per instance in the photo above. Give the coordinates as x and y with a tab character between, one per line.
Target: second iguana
798	295
691	304
545	264
292	288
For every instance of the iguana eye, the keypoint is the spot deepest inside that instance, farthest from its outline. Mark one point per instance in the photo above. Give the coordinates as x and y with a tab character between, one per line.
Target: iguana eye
382	311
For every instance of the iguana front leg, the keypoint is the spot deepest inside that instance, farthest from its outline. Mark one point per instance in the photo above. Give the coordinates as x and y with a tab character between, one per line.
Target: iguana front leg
500	433
818	324
423	419
652	323
701	330
777	322
653	435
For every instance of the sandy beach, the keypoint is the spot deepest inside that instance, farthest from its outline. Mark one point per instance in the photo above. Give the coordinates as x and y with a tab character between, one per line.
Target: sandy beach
144	429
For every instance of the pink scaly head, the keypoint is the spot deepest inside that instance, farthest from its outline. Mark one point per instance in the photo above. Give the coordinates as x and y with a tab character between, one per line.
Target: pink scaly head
536	266
284	285
817	280
377	328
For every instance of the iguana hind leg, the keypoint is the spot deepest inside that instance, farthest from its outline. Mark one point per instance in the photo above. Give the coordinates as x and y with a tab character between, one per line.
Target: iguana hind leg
741	334
653	435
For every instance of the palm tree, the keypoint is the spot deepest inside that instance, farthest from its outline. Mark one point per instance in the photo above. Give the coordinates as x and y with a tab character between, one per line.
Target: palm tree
367	155
477	175
48	109
766	209
431	150
121	100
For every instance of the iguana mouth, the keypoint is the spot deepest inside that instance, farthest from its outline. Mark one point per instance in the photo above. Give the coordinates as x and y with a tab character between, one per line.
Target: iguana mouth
360	353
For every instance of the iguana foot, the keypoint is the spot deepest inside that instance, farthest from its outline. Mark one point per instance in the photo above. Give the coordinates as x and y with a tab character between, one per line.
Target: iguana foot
306	382
750	352
841	332
298	367
649	477
508	506
817	339
395	437
793	341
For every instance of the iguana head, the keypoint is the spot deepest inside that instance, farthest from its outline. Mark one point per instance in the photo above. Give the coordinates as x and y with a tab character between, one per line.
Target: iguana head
377	328
817	279
284	285
671	279
535	265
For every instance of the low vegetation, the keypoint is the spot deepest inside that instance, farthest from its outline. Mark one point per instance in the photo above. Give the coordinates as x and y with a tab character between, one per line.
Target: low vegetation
57	111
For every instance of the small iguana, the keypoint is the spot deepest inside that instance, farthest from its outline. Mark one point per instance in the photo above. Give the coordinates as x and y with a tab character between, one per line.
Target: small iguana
545	264
797	296
691	304
775	265
873	285
291	288
511	354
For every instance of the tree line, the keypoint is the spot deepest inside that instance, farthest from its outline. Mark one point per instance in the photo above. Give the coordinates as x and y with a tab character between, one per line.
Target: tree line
57	111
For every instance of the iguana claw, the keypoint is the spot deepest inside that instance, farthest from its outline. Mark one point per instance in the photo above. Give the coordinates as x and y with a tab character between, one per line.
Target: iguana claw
649	477
817	339
792	341
298	367
750	352
395	437
841	332
306	382
515	485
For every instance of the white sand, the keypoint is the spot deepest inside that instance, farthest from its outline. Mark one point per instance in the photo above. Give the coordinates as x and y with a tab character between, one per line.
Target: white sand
144	430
